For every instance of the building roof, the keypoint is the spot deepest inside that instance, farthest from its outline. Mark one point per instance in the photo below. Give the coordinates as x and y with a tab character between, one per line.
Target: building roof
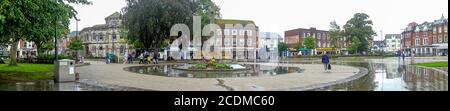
381	42
233	21
440	21
389	36
113	16
425	26
296	31
96	27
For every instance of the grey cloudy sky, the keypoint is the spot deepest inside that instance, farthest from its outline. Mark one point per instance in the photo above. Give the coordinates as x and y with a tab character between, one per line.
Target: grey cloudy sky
389	16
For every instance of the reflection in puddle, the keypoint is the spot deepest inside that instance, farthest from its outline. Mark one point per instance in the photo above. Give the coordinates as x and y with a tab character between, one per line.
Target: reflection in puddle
394	77
254	70
46	86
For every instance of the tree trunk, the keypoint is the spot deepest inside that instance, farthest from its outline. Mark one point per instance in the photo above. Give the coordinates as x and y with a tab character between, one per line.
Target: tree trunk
13	52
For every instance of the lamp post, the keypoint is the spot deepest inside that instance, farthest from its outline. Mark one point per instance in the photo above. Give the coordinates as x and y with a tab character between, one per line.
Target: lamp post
113	40
56	42
76	37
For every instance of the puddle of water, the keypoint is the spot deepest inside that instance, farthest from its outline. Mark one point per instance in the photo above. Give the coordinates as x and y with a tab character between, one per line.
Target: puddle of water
255	70
46	86
394	77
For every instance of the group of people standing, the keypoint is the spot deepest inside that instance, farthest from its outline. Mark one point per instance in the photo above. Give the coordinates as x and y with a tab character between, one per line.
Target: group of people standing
128	58
145	57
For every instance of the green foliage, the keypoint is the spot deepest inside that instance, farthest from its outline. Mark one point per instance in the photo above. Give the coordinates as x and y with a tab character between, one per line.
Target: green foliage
199	66
34	20
354	45
360	27
149	21
336	34
26	68
434	64
26	72
299	46
223	66
76	45
309	42
51	57
46	47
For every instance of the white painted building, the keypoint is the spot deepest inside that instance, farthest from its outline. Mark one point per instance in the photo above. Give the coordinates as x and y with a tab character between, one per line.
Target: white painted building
393	43
269	44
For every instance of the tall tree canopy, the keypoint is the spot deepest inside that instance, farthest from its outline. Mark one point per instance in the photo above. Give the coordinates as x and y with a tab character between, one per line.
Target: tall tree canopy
34	20
336	34
309	42
149	21
360	26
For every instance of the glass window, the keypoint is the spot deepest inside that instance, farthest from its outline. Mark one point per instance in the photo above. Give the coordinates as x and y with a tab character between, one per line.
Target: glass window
319	36
440	39
417	42
445	38
219	32
241	32
234	40
241	42
249	33
227	32
234	32
226	41
434	39
445	28
250	42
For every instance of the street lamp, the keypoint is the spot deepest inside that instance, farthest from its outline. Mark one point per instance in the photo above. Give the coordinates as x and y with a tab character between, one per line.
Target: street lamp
77	20
113	40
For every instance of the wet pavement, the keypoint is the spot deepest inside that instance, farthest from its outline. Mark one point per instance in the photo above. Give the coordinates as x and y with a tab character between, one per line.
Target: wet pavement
383	75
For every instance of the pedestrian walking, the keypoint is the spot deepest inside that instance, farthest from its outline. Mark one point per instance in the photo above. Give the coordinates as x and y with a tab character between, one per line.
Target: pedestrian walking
326	61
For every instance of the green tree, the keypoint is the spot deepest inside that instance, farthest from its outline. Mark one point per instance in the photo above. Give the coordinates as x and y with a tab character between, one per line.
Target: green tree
34	20
282	47
76	45
354	46
208	11
335	35
149	21
309	43
360	26
45	48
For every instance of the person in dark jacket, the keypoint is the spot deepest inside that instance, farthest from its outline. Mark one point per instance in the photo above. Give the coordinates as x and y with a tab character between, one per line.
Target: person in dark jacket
325	60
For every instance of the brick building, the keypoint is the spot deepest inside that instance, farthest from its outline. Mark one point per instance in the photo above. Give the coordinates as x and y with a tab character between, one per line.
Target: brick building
296	36
426	39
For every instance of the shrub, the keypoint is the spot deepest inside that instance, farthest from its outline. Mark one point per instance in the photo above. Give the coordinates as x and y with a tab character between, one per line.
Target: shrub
199	66
223	66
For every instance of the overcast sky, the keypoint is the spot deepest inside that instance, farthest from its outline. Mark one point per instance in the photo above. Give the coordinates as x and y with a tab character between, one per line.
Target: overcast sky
389	16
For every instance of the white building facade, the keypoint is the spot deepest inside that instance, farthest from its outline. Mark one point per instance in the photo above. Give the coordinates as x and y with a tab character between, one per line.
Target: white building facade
393	43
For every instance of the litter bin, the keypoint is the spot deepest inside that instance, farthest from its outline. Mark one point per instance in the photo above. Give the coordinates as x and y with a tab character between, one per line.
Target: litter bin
65	71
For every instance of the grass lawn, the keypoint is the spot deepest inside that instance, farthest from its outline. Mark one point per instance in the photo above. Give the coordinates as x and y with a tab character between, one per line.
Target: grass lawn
26	72
433	64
